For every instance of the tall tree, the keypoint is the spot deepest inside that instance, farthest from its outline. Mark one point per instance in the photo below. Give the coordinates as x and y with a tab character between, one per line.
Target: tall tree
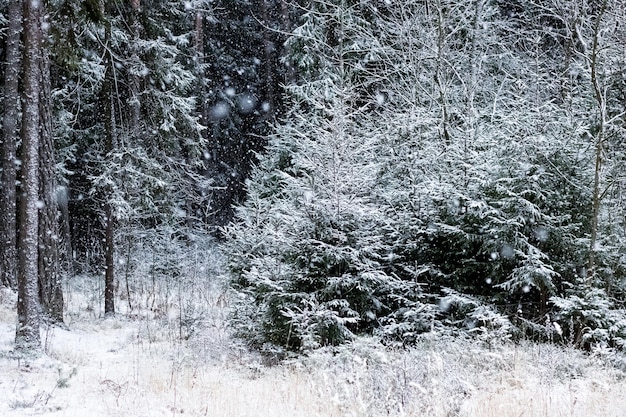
108	101
28	309
10	126
50	289
136	128
598	33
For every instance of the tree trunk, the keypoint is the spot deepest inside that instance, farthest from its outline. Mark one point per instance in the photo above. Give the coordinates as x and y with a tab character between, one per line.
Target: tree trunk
270	60
27	334
599	93
109	233
290	76
66	259
10	121
199	70
50	288
109	271
134	82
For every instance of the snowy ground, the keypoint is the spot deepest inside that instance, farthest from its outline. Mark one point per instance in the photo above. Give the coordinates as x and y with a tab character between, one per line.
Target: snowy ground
137	366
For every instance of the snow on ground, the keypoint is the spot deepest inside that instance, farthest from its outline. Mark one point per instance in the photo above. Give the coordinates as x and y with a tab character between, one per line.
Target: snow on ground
122	367
138	367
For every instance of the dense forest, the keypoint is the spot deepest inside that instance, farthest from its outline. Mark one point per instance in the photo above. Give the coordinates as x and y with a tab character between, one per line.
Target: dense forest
128	127
367	167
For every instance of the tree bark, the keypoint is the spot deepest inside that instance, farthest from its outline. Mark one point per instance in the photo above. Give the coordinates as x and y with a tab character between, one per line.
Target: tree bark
134	82
290	76
110	126
599	94
199	67
66	259
270	60
10	121
28	310
50	288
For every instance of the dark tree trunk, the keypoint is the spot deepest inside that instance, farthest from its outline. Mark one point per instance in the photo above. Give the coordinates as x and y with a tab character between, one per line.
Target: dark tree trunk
10	121
27	334
109	271
270	59
66	260
200	65
50	288
600	96
134	82
109	233
290	76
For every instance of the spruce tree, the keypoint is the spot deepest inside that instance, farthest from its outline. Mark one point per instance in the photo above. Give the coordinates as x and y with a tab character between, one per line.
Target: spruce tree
306	254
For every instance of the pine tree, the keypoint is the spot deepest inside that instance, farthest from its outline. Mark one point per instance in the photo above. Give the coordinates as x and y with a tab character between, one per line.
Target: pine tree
50	280
10	129
141	164
27	335
474	170
590	305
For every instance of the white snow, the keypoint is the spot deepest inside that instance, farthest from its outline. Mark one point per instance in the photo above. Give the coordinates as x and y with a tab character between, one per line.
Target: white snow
135	365
247	102
220	110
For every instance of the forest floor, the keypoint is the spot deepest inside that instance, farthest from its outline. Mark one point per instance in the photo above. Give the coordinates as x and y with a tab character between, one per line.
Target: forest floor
137	365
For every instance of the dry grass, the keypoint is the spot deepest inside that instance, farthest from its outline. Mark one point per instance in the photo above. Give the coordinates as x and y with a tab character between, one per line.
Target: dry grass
551	381
458	377
137	365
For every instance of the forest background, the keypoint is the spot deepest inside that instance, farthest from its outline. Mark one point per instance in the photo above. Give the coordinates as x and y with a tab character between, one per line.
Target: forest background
368	167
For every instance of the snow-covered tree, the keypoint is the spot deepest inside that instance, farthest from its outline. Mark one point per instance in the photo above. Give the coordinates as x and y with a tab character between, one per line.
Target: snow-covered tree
590	306
499	214
129	128
472	179
306	253
50	277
